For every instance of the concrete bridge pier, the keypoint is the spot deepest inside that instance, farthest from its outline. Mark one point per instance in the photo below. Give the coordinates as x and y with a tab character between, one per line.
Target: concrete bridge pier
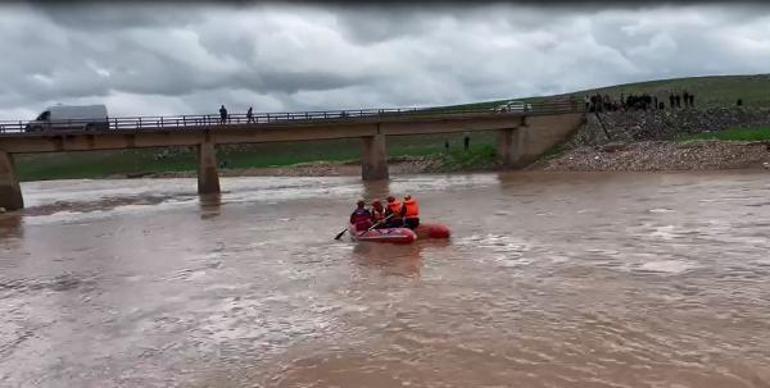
507	146
10	191
374	160
208	174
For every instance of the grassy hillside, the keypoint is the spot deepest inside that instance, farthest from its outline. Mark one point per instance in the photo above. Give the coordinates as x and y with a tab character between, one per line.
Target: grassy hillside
709	91
736	134
754	90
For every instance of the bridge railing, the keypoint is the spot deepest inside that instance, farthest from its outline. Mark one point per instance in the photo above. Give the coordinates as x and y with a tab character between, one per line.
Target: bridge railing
154	123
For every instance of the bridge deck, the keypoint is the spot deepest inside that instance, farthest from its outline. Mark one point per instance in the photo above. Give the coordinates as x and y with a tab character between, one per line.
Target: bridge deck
275	120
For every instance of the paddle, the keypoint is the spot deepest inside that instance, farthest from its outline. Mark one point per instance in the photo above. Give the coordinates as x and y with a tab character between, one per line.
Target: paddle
339	235
376	225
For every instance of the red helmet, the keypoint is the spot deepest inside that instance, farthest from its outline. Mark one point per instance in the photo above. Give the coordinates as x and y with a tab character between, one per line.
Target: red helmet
391	198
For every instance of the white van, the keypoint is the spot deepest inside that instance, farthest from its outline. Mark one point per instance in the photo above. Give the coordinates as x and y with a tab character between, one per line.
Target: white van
513	106
70	117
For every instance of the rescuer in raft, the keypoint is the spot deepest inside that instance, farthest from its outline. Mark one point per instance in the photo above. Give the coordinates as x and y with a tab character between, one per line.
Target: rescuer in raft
410	211
378	214
394	210
361	218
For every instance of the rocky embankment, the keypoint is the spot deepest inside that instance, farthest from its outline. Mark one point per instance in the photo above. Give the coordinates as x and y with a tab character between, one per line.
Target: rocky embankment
650	141
648	125
661	155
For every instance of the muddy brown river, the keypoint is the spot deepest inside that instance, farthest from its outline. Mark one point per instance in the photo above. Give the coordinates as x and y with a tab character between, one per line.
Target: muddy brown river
550	280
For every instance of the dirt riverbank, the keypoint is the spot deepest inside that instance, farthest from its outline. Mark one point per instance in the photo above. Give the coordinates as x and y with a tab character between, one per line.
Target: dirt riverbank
414	165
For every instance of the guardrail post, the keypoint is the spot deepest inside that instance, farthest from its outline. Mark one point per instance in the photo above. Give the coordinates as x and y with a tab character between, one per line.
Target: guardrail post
140	122
161	122
184	120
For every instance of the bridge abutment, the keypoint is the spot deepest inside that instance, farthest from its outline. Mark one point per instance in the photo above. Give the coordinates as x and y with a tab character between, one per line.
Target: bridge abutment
374	160
10	191
208	173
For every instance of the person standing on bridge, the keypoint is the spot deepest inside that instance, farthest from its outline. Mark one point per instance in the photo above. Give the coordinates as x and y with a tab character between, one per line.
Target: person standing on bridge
222	115
250	115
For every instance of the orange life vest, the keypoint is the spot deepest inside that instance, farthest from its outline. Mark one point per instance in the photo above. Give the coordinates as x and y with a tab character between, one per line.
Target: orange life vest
412	209
395	208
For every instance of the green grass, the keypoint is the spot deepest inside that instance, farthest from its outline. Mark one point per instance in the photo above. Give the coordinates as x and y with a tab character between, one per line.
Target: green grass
709	91
99	164
737	134
478	158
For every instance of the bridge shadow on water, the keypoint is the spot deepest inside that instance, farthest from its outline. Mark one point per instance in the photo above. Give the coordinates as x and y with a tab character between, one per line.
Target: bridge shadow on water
378	189
11	225
210	205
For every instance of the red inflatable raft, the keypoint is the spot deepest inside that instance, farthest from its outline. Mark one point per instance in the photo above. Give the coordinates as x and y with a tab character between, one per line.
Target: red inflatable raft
391	235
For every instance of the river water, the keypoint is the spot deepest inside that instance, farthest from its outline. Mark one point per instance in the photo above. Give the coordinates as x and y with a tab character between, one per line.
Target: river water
550	280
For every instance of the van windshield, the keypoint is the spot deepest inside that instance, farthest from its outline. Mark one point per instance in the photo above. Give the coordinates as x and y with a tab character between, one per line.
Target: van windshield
44	116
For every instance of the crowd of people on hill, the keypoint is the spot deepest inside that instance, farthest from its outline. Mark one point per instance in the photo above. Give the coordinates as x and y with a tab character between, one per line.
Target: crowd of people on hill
604	103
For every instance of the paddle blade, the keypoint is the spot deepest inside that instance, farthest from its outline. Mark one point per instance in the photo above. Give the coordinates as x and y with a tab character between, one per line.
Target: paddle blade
340	234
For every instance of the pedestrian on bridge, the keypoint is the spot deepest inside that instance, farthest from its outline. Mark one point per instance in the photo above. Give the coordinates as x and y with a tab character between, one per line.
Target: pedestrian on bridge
222	115
250	115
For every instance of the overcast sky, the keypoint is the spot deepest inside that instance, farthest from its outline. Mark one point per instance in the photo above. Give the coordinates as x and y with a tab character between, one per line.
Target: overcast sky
184	58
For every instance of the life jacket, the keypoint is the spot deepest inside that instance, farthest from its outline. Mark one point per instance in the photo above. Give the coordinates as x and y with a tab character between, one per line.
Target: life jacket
412	209
395	208
361	218
378	215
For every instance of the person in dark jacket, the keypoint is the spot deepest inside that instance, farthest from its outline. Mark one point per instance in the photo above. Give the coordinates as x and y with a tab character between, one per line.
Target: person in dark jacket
361	218
222	114
250	115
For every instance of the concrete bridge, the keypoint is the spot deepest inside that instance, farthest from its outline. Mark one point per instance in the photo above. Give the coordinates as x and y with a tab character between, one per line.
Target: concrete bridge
523	135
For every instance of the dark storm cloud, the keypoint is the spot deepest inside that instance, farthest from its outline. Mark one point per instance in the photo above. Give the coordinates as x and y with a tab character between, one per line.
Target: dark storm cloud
180	57
107	16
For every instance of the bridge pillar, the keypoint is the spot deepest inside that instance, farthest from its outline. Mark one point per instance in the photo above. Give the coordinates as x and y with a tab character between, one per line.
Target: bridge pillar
208	175
507	146
374	161
10	191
